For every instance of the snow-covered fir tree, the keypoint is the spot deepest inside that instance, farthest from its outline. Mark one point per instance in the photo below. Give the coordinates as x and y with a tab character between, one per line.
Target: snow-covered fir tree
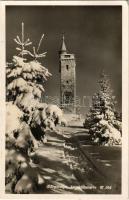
27	116
102	121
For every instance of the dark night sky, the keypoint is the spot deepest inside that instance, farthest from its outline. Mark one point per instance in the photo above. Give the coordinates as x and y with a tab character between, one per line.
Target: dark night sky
92	33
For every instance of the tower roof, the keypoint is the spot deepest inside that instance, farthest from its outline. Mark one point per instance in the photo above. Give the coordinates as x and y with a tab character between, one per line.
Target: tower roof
63	46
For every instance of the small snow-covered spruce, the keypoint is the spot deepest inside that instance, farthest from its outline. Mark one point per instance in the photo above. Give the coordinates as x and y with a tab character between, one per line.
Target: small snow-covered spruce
25	78
101	121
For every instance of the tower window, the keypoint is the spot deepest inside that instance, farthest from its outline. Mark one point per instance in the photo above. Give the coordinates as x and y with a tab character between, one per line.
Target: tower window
67	56
67	81
67	67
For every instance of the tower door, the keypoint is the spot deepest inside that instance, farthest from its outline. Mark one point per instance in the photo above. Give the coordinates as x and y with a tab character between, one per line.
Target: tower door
67	97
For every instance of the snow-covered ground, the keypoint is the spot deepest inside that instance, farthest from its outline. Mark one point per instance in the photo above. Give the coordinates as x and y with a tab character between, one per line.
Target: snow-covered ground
50	158
66	168
68	160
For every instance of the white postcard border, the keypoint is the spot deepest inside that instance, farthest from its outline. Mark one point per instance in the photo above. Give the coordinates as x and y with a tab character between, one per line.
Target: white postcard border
125	100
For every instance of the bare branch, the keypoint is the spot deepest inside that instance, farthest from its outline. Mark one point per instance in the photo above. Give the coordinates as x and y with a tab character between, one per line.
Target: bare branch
40	42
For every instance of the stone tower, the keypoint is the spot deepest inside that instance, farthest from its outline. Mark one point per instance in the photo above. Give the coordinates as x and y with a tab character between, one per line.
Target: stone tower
67	80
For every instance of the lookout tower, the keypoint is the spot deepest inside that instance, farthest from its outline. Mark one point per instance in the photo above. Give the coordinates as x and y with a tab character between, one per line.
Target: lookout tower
67	71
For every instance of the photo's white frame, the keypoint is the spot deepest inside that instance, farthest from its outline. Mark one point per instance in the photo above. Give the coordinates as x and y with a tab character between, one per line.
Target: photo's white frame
125	100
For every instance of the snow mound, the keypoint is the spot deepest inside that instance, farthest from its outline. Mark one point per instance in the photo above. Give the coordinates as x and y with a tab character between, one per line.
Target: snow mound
104	133
54	111
19	144
13	117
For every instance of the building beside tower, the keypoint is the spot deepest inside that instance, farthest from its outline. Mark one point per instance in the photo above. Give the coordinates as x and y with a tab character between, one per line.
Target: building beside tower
67	71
